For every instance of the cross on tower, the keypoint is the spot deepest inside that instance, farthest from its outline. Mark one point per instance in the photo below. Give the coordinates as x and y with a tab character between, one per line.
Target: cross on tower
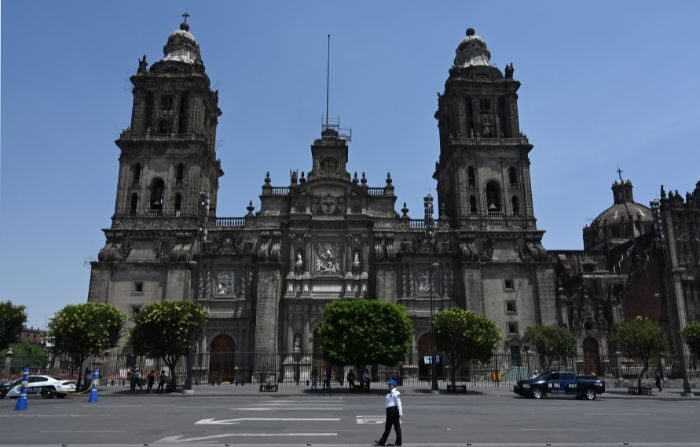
619	172
185	16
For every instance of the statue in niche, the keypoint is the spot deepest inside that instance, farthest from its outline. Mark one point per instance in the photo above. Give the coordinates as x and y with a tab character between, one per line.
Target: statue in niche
297	343
356	261
424	281
299	262
486	127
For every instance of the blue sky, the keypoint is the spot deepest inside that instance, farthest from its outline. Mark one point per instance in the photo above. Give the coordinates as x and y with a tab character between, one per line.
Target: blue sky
604	85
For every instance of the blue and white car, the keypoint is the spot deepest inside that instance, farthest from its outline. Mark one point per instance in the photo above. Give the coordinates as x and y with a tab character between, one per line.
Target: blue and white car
560	383
46	386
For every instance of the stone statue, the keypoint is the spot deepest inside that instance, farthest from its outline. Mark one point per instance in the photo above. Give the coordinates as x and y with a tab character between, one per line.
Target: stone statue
143	65
297	343
299	263
509	71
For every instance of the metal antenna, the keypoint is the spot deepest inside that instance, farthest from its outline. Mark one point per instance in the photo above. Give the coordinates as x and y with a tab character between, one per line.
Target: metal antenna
328	76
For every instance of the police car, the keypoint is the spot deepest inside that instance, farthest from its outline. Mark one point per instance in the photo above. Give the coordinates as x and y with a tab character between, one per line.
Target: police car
560	383
46	386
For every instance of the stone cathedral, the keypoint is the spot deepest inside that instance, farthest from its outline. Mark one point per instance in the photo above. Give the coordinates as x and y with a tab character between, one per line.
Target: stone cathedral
327	234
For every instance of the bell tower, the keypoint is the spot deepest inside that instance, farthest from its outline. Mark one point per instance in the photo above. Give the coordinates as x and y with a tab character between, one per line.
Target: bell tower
168	153
483	172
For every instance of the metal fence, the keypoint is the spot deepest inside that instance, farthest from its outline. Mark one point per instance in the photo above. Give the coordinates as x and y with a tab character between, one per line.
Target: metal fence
297	368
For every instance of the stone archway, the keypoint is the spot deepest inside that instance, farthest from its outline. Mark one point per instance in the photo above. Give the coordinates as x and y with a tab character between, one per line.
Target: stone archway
222	361
591	356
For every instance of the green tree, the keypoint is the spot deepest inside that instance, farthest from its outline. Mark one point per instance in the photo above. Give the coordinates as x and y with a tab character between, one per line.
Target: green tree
12	319
167	330
551	343
639	339
30	355
691	336
84	330
464	336
364	332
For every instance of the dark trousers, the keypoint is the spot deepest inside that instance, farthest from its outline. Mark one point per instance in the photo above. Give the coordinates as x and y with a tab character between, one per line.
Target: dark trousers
392	419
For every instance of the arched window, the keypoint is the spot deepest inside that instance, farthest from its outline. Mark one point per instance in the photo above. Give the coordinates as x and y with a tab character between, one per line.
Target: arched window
157	192
134	204
512	176
179	173
178	204
493	196
515	204
136	174
471	177
472	205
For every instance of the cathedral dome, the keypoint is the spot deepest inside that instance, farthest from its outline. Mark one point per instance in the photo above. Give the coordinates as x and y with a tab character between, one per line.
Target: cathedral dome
182	46
624	206
472	51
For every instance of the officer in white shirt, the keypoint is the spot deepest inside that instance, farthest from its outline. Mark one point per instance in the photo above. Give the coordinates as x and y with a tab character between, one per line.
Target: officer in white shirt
393	413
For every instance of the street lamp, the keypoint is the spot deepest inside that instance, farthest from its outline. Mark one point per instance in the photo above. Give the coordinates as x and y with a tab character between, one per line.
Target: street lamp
430	240
203	214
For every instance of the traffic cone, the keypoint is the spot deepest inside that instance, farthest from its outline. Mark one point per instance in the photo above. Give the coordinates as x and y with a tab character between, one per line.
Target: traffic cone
21	404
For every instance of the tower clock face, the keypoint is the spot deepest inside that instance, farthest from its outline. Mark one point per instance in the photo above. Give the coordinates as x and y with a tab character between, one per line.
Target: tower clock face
329	165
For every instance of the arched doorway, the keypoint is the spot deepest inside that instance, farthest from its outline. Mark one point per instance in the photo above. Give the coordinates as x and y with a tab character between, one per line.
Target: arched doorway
425	358
222	361
591	357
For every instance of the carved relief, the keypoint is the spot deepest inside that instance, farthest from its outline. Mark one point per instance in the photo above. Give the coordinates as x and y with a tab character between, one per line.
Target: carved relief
329	205
424	281
327	257
224	283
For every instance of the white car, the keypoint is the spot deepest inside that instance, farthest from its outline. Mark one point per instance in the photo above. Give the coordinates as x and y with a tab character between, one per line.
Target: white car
46	386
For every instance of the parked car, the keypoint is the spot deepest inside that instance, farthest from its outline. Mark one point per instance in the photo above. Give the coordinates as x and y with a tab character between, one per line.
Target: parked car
5	386
46	386
560	383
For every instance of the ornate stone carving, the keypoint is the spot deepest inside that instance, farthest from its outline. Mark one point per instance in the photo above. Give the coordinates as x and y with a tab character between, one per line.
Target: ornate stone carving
224	283
327	257
329	204
424	281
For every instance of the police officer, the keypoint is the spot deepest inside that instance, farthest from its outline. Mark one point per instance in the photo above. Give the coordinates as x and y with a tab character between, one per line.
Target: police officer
394	411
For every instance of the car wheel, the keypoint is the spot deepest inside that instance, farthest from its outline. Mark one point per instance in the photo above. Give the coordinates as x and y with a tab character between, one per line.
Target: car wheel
590	394
537	393
60	395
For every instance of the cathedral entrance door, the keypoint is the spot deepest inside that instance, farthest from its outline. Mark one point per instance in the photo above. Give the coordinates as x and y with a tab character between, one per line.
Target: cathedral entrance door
425	358
591	357
221	363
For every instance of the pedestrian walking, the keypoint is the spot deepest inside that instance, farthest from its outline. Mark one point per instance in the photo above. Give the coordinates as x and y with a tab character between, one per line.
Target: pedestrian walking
161	381
657	377
365	379
327	379
314	379
394	411
131	375
150	378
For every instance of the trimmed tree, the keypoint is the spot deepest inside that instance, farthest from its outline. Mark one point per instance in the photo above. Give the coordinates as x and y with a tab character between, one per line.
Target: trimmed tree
84	330
639	339
551	343
167	330
691	336
464	336
12	319
364	332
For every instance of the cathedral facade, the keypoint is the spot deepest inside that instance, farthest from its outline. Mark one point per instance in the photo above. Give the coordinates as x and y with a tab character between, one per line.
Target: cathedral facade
327	234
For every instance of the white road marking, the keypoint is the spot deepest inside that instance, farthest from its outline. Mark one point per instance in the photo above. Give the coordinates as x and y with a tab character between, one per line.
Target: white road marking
555	429
180	439
618	414
82	431
286	408
212	421
378	419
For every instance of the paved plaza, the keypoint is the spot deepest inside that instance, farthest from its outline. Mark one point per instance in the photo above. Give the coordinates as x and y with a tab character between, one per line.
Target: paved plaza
239	416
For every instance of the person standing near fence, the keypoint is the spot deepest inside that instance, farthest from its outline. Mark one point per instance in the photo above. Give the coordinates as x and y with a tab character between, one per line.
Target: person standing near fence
657	377
327	379
314	379
365	379
161	381
150	378
394	411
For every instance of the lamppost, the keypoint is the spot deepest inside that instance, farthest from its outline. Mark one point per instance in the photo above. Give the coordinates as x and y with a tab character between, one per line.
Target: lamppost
430	240
203	214
669	269
526	348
